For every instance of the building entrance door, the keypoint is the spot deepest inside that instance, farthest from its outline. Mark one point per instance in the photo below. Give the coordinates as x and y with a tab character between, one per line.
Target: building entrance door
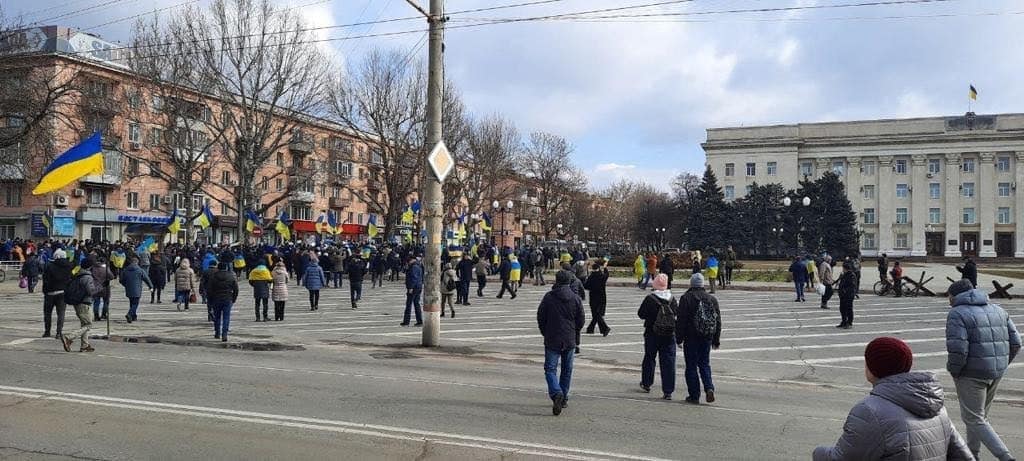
1004	244
969	244
934	243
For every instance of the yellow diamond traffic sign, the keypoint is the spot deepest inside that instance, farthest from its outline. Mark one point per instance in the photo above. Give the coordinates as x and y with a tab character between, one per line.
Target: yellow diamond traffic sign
441	161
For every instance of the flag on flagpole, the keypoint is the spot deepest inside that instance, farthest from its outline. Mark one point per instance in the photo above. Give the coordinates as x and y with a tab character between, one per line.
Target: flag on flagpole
371	227
282	226
485	222
174	225
48	223
84	159
146	246
205	218
972	93
407	216
251	221
332	223
320	224
415	206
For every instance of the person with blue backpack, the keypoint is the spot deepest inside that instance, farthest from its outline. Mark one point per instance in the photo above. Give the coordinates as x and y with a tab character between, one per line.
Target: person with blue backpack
698	330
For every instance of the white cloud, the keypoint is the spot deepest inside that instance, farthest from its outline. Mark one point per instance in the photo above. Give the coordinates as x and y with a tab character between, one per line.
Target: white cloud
613	167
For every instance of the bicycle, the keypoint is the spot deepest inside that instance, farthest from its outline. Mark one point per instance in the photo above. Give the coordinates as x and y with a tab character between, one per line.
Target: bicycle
886	288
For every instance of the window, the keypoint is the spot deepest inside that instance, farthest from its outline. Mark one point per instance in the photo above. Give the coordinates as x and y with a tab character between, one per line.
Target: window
133	167
264	184
869	240
901	216
323	191
806	168
869	191
279	184
934	190
1003	215
934	216
133	200
280	159
902	191
773	168
1003	164
730	192
747	190
335	192
96	197
156	136
360	222
869	168
206	174
869	216
730	169
900	167
134	133
154	169
303	212
197	202
134	100
223	208
7	232
968	216
901	240
1004	189
12	194
967	165
157	103
838	167
349	217
934	166
154	201
342	168
751	169
968	189
225	177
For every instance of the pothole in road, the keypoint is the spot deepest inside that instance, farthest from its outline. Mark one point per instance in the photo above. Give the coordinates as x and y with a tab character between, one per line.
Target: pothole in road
392	355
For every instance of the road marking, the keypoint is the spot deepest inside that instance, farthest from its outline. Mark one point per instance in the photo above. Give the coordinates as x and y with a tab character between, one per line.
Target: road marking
17	342
858	358
345	427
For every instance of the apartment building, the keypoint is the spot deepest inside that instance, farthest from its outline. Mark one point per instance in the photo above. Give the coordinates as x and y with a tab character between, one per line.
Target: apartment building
940	186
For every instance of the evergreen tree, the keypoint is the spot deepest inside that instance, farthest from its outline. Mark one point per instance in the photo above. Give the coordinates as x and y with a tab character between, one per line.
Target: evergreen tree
708	217
763	221
829	223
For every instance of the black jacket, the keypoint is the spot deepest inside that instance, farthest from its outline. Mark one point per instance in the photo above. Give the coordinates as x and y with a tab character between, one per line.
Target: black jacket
560	317
56	275
970	272
356	269
665	267
505	270
688	303
81	289
847	285
649	311
597	283
222	286
465	269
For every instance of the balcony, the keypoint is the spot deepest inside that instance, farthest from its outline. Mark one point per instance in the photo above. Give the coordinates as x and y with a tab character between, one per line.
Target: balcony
300	145
300	171
339	203
102	105
303	196
340	179
373	186
112	169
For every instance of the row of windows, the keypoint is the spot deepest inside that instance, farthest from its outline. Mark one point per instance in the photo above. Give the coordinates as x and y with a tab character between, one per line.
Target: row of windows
900	166
968	216
935	190
772	169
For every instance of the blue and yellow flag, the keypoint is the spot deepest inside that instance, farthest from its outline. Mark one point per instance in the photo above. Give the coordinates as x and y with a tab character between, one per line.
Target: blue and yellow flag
485	222
117	258
321	224
415	206
282	226
48	223
371	226
407	216
332	223
84	159
147	246
251	221
205	218
174	225
972	93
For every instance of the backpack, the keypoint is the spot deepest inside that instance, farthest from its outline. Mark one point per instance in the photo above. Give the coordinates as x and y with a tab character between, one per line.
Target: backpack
705	320
665	322
76	291
450	284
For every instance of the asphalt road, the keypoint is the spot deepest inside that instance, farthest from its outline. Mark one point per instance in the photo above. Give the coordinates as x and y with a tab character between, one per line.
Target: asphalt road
353	384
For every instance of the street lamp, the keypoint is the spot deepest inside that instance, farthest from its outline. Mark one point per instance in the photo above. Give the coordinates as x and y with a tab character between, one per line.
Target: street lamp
787	201
496	205
525	223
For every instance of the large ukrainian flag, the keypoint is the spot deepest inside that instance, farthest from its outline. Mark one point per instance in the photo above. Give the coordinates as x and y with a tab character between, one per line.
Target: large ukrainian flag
84	159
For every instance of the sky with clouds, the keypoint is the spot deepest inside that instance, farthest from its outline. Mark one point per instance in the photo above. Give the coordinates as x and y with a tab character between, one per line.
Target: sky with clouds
635	94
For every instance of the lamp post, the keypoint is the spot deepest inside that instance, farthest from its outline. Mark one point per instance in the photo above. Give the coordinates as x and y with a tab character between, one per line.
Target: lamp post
786	202
496	205
525	223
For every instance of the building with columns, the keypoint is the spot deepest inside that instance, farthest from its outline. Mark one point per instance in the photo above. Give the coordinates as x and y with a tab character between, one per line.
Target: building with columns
936	186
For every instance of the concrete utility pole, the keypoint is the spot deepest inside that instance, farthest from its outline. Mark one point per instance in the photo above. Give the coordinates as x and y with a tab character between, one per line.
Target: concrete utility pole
433	197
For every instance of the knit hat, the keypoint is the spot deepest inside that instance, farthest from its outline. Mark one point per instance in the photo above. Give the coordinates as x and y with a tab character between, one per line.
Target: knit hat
697	281
564	278
661	282
86	263
886	356
960	286
60	254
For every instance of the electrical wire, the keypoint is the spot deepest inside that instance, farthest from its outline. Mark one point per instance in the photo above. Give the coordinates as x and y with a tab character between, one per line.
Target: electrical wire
128	18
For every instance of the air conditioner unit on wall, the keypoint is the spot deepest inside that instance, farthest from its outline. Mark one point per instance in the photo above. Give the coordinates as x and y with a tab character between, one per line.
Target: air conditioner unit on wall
167	200
78	193
60	200
931	175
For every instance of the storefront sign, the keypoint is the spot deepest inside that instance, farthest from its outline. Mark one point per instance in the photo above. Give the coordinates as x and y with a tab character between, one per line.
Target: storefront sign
38	229
63	223
144	219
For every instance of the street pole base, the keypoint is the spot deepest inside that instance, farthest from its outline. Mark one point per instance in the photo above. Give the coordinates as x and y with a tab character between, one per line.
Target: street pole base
431	329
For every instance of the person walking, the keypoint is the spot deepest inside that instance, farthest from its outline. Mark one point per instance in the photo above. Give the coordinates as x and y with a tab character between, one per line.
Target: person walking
313	279
799	271
132	278
279	289
465	275
79	293
825	271
969	271
666	267
539	264
185	284
260	279
222	291
158	276
883	267
560	318
897	278
356	272
640	271
504	273
413	292
981	341
101	276
847	291
730	264
515	275
659	313
596	284
481	268
31	269
856	263
56	277
449	287
698	330
903	417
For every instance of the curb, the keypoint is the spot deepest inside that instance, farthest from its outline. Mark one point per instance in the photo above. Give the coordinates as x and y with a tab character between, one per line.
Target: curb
245	346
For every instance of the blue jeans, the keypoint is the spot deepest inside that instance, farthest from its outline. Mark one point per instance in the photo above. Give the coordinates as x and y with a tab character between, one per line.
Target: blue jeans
339	282
645	280
799	288
413	299
664	349
133	307
100	305
221	318
697	354
558	384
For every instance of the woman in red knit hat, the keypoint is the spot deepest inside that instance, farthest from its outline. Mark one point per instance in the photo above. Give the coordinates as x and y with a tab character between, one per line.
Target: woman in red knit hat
902	418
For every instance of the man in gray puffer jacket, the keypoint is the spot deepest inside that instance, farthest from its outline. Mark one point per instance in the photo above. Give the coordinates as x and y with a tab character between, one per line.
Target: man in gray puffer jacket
902	418
981	341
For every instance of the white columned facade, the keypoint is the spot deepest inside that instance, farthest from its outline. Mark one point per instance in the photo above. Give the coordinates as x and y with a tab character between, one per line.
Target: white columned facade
886	204
919	205
1018	208
987	206
952	195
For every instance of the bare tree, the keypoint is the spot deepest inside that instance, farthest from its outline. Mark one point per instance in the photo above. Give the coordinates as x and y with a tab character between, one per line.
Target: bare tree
546	166
486	166
381	101
457	124
260	62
